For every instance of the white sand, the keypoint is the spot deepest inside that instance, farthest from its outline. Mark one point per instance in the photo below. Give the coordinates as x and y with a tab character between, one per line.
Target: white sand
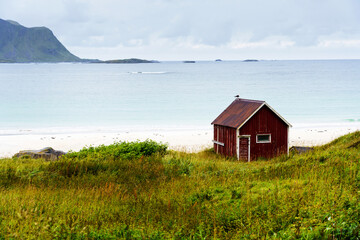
187	140
315	135
178	139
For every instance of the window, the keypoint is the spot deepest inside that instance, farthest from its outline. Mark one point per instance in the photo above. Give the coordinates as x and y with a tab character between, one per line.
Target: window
263	138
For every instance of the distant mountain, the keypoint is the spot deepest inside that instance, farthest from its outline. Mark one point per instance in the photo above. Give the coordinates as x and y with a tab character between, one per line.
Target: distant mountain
37	44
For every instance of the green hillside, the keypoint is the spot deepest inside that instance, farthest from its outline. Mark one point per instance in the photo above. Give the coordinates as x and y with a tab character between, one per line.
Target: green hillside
141	191
38	44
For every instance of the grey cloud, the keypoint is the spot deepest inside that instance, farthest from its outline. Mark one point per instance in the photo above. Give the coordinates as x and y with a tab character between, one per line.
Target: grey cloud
129	23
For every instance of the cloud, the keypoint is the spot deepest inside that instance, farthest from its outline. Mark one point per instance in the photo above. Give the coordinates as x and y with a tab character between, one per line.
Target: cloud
193	25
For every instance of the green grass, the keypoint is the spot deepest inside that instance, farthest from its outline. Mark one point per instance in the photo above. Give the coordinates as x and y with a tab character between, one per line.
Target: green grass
141	191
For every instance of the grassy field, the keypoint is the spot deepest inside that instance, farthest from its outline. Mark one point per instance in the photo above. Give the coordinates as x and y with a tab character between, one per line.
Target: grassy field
141	191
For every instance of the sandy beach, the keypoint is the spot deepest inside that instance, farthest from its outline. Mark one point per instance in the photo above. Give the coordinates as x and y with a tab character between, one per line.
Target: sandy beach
190	140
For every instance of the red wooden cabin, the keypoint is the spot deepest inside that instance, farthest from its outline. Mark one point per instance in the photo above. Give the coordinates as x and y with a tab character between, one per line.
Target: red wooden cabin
250	129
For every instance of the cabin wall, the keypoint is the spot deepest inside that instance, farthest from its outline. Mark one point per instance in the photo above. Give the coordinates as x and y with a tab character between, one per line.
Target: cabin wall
266	121
226	135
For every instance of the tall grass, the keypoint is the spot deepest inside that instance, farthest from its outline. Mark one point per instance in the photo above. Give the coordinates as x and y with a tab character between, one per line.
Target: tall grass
126	191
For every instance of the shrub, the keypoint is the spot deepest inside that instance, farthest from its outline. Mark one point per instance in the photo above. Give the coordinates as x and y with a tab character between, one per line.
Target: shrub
120	150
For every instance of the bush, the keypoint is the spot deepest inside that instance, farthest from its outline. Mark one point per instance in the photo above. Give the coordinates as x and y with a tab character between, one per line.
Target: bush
120	150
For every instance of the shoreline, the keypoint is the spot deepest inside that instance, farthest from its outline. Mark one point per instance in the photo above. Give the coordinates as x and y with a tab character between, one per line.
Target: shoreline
189	139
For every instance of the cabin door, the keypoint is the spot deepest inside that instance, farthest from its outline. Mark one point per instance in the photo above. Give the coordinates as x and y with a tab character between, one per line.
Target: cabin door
244	148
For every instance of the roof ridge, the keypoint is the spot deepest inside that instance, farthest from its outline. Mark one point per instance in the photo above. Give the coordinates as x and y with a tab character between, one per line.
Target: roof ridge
250	100
240	111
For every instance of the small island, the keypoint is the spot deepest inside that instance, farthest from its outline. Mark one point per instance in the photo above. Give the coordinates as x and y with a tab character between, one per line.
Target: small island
250	60
188	61
129	60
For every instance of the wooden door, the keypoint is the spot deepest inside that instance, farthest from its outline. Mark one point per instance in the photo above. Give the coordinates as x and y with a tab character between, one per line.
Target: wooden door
244	150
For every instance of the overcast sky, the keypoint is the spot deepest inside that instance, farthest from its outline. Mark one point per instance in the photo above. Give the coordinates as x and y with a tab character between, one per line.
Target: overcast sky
197	29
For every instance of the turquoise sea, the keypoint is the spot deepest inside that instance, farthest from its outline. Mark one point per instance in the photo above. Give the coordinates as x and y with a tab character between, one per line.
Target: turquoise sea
173	94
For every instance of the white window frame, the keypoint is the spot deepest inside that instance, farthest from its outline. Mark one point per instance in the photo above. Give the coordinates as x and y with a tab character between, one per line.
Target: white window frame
265	134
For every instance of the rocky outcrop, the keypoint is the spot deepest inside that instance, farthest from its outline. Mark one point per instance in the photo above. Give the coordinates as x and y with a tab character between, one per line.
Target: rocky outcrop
47	153
37	44
300	150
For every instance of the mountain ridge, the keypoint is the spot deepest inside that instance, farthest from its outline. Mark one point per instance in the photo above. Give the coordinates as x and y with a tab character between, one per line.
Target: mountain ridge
19	44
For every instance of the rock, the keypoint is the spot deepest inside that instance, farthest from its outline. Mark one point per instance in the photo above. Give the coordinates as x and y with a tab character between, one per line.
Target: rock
47	153
300	150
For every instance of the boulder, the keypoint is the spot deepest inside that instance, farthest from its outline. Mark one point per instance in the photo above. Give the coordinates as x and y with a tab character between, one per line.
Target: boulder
300	150
47	153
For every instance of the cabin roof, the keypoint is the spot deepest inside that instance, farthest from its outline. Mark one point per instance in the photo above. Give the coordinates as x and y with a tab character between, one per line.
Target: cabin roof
240	111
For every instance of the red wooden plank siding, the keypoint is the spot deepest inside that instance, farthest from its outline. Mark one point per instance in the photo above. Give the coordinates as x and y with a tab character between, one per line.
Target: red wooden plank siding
266	121
226	135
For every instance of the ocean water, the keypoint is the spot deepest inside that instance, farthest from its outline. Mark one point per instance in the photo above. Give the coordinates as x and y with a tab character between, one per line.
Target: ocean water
173	94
